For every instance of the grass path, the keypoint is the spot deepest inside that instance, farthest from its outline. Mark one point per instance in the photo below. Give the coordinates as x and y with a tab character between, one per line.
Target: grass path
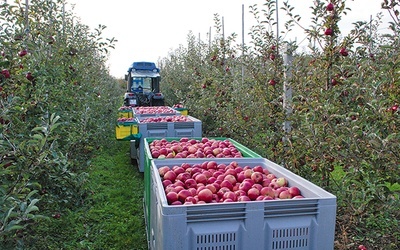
113	216
117	210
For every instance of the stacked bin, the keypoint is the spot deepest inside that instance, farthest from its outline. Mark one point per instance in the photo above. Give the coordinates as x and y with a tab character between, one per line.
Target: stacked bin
183	111
127	129
299	224
148	159
142	113
192	128
169	111
126	126
125	112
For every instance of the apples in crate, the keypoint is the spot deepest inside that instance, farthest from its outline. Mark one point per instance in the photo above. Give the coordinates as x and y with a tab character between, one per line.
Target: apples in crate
154	110
175	118
278	222
193	148
210	182
125	108
126	119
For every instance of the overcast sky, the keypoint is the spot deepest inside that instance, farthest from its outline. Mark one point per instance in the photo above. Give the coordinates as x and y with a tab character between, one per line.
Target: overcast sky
149	30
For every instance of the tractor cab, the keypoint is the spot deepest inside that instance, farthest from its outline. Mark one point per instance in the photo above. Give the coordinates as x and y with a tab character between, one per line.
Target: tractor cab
143	85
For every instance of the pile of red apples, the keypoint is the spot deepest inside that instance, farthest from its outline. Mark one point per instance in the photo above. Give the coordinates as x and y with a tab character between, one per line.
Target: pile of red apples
172	118
212	182
154	110
193	148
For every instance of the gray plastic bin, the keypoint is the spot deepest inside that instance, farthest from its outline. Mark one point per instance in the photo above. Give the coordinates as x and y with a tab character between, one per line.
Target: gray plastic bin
299	224
191	128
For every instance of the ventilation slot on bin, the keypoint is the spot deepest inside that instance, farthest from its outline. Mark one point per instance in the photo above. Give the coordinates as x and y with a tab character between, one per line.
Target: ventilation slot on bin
159	125
156	133
223	235
291	208
184	133
183	125
221	241
290	232
290	238
216	213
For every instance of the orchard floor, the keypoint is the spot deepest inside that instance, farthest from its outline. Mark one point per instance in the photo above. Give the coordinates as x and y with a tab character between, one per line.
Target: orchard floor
112	216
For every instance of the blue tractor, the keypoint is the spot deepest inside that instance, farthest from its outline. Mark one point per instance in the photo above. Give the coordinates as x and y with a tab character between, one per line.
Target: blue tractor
143	85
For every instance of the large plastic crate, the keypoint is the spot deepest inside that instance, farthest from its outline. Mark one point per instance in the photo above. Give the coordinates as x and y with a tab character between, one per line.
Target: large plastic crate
170	112
183	111
126	130
125	112
192	128
298	224
246	152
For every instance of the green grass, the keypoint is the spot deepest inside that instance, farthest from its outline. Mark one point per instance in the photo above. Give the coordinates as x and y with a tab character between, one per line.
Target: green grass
112	217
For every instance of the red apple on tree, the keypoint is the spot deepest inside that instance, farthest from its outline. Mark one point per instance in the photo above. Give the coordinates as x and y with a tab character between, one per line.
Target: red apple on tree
328	32
51	40
344	52
23	53
6	73
57	216
29	76
395	108
272	57
330	7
